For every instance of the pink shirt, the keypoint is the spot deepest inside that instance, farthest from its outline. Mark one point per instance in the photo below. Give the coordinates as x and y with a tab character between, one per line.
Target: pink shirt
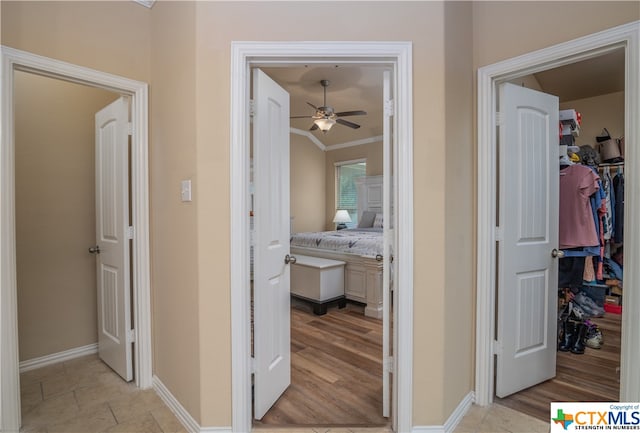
577	227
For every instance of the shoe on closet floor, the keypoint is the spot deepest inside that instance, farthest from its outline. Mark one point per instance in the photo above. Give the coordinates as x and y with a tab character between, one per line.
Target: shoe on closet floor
594	338
567	340
578	345
589	304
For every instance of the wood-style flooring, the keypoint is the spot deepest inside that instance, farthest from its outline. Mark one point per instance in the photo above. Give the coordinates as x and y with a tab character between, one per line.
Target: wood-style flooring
336	370
594	376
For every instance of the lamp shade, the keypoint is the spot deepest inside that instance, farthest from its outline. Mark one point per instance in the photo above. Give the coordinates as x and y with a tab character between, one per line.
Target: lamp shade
342	216
324	123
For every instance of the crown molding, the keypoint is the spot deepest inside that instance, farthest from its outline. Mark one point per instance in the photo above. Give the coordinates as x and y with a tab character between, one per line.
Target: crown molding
375	139
146	3
326	148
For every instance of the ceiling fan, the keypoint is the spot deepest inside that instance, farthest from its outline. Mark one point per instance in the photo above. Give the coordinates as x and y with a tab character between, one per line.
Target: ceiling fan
325	117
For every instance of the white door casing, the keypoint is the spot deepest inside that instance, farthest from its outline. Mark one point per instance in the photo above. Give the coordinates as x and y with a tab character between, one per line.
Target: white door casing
112	229
527	282
272	351
245	55
388	226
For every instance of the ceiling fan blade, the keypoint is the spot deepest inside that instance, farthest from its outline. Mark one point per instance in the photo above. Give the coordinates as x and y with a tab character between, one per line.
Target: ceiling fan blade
347	123
313	127
313	106
300	117
352	113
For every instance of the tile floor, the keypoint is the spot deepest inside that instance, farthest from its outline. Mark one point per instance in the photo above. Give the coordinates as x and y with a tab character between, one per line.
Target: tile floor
83	395
499	419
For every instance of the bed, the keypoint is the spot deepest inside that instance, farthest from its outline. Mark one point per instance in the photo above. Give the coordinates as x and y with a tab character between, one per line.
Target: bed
360	248
365	242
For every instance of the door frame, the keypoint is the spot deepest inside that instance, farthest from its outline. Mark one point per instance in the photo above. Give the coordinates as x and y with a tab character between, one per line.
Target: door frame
244	56
12	60
625	36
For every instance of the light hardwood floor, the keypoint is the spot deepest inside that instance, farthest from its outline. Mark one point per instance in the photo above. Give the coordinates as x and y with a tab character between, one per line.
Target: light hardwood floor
336	370
594	376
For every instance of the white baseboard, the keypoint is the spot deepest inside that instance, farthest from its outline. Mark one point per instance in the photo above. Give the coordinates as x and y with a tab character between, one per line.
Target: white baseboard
42	361
185	418
453	420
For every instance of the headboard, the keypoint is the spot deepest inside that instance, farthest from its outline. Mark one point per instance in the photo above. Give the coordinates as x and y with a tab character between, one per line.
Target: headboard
369	194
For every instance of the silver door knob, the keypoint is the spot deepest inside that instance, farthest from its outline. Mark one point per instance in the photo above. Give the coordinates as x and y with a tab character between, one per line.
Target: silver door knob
95	250
290	259
557	254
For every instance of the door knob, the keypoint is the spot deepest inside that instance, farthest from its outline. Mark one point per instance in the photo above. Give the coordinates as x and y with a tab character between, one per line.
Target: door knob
95	250
290	259
557	254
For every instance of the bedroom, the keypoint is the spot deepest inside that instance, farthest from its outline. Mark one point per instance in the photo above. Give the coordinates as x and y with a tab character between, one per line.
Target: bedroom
349	339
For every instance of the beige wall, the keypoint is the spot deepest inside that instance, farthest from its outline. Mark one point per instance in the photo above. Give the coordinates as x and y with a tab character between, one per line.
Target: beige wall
105	35
55	213
459	306
174	234
183	50
308	196
502	30
219	23
372	152
604	111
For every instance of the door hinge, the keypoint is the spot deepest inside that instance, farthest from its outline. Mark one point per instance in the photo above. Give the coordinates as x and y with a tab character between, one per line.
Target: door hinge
499	234
252	363
496	349
130	128
130	232
388	364
252	107
131	336
389	109
499	118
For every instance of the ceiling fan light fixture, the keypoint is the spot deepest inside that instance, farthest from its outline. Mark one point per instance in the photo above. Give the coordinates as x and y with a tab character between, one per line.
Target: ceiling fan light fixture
324	123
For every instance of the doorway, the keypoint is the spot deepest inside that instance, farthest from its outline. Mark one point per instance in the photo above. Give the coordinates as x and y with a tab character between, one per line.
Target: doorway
16	60
245	56
55	217
588	372
625	38
336	358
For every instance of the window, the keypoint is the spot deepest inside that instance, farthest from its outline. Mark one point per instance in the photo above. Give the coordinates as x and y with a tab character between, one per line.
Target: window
346	189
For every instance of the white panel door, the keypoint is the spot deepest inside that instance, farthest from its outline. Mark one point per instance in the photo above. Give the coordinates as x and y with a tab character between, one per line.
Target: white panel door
271	222
527	288
112	223
388	240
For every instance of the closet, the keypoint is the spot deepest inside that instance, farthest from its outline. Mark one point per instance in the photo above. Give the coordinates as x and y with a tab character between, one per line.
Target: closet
590	283
591	227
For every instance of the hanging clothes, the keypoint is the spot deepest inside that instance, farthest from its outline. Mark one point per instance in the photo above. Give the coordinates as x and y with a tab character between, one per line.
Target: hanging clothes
589	271
577	224
607	187
618	187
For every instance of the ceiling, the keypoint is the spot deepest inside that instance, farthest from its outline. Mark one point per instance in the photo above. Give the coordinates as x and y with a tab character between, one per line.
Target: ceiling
592	77
352	87
359	87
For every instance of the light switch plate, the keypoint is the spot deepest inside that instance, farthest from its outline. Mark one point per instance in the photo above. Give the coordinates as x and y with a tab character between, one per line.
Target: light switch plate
185	190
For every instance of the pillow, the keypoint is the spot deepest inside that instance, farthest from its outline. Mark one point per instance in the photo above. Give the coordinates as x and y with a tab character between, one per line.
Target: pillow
366	220
377	221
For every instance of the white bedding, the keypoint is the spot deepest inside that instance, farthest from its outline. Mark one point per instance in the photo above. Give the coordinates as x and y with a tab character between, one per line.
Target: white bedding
363	242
